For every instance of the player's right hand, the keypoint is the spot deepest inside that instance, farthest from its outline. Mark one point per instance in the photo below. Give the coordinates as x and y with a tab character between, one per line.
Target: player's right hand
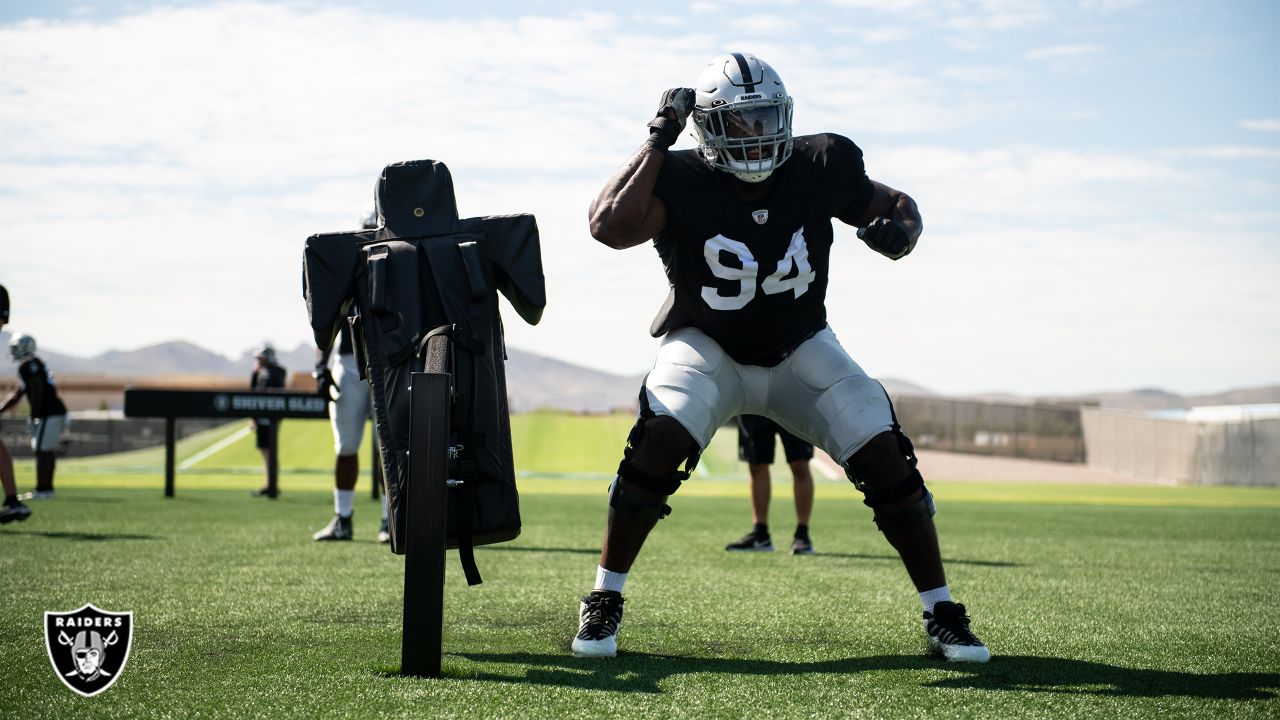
673	112
887	237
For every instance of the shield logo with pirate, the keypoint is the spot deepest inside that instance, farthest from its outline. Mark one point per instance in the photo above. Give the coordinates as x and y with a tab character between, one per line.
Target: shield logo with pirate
88	647
760	216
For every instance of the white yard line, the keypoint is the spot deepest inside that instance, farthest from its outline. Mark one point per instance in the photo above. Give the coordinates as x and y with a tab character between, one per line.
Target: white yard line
216	447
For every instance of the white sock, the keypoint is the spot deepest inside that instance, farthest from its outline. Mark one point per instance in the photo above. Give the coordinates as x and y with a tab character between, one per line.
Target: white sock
343	501
935	596
609	580
384	506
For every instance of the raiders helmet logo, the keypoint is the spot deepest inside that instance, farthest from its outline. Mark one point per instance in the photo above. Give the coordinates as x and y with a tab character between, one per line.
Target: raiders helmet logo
760	216
88	647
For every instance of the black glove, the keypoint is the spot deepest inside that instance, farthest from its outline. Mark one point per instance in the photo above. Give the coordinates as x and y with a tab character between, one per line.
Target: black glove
887	237
673	111
325	384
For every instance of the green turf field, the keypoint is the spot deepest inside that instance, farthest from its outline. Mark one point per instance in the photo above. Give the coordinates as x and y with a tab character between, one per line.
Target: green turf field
1096	601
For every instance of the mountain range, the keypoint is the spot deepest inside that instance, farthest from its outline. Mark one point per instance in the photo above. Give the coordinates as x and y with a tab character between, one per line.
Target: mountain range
539	382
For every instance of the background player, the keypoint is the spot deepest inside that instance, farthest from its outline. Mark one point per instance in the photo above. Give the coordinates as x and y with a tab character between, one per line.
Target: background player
267	374
743	228
756	441
48	417
13	508
338	378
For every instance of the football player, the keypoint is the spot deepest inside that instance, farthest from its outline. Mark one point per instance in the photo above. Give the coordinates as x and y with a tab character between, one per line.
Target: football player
338	378
267	374
48	416
743	227
755	447
13	508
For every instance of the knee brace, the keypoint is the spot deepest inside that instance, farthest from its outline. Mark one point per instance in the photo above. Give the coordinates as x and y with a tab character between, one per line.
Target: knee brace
665	486
636	507
863	472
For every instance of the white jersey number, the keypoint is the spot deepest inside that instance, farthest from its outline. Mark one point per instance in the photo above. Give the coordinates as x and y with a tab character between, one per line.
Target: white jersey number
797	259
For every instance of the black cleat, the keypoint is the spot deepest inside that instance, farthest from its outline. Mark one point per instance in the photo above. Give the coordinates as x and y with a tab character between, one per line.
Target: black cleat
266	492
598	620
339	528
751	542
17	511
949	636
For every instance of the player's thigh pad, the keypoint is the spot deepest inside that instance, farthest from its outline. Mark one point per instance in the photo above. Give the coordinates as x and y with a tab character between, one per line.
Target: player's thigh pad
695	382
821	394
348	413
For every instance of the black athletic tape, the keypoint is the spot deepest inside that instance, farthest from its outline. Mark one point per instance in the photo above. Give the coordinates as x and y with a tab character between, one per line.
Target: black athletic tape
908	518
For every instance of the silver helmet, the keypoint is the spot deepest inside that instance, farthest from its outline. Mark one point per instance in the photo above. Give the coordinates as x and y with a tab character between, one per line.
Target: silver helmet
742	116
22	347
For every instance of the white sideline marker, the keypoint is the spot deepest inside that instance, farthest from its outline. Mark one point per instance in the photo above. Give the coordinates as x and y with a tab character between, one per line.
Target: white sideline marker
216	447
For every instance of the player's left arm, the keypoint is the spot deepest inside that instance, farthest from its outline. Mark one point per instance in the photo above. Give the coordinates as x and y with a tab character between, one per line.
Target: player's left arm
891	223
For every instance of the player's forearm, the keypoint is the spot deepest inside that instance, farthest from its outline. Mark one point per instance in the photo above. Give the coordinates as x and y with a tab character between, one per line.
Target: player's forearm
906	212
617	215
10	401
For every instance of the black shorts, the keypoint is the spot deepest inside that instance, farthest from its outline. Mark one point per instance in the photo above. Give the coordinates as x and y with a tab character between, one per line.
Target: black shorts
266	431
755	441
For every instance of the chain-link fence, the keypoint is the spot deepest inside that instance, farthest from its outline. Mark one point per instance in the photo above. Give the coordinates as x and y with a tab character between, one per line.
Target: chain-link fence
1036	431
1186	452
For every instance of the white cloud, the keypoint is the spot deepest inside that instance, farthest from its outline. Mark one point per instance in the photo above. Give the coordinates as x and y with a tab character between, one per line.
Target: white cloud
1065	52
1263	124
1230	152
760	25
977	74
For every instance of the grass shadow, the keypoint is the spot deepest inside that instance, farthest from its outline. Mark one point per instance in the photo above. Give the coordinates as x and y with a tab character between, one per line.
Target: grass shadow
644	673
509	548
90	537
896	559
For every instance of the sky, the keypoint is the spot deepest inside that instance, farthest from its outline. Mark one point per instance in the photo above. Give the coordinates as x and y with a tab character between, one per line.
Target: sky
1099	179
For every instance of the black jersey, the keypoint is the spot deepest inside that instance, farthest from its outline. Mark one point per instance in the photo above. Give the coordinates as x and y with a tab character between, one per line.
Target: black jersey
4	305
37	383
753	274
267	377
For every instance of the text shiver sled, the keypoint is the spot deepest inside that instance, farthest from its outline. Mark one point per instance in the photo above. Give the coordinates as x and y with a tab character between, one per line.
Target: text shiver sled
421	295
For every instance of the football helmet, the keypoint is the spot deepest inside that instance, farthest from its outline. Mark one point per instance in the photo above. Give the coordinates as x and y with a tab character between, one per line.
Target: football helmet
22	347
267	354
742	117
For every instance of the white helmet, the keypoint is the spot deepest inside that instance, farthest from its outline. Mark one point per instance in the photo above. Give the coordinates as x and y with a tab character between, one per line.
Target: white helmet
22	347
369	220
742	117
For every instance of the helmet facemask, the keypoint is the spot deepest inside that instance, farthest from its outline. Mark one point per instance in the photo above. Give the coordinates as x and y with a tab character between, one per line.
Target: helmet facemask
748	138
